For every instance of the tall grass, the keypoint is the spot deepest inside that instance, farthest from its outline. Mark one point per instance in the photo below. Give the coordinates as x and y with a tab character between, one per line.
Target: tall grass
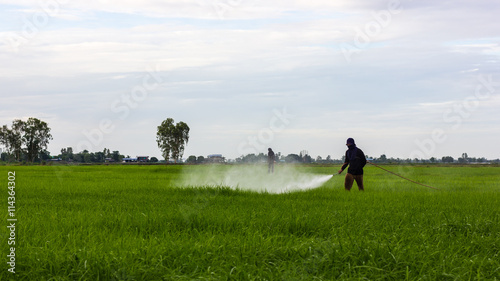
136	223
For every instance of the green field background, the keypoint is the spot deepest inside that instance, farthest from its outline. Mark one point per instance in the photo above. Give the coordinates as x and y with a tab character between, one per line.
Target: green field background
134	222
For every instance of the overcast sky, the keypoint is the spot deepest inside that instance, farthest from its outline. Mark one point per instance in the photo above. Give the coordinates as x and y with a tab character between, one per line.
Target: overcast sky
403	78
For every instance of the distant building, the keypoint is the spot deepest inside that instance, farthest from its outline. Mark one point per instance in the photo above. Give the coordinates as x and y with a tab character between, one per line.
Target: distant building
142	158
136	159
215	158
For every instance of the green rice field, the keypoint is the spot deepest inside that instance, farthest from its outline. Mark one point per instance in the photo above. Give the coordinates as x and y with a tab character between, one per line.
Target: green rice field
133	222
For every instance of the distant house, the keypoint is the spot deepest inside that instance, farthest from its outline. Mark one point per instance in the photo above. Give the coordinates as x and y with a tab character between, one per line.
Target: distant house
136	159
215	158
142	158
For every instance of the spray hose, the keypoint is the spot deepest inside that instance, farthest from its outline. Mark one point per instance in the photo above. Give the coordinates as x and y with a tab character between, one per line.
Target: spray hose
401	176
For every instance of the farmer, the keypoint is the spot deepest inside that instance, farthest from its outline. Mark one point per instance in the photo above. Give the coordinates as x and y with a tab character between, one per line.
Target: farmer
356	160
270	161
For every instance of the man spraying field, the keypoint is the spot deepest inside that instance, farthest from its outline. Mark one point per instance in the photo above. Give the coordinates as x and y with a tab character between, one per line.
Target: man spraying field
356	160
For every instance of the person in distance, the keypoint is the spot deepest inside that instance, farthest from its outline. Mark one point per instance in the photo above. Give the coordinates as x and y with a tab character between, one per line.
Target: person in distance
270	161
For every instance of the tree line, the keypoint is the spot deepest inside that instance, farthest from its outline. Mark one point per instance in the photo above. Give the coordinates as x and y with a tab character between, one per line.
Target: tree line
105	156
383	159
445	159
26	141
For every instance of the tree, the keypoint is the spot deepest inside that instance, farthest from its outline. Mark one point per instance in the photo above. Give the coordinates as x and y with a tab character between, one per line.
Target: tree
447	159
464	158
307	158
16	138
36	137
78	157
191	159
153	159
116	156
87	158
200	159
69	150
107	152
67	154
293	158
12	139
172	138
382	159
98	157
45	155
164	137
5	137
34	134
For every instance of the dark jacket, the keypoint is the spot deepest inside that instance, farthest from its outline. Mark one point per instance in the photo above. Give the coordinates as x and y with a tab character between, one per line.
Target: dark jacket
356	159
270	156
